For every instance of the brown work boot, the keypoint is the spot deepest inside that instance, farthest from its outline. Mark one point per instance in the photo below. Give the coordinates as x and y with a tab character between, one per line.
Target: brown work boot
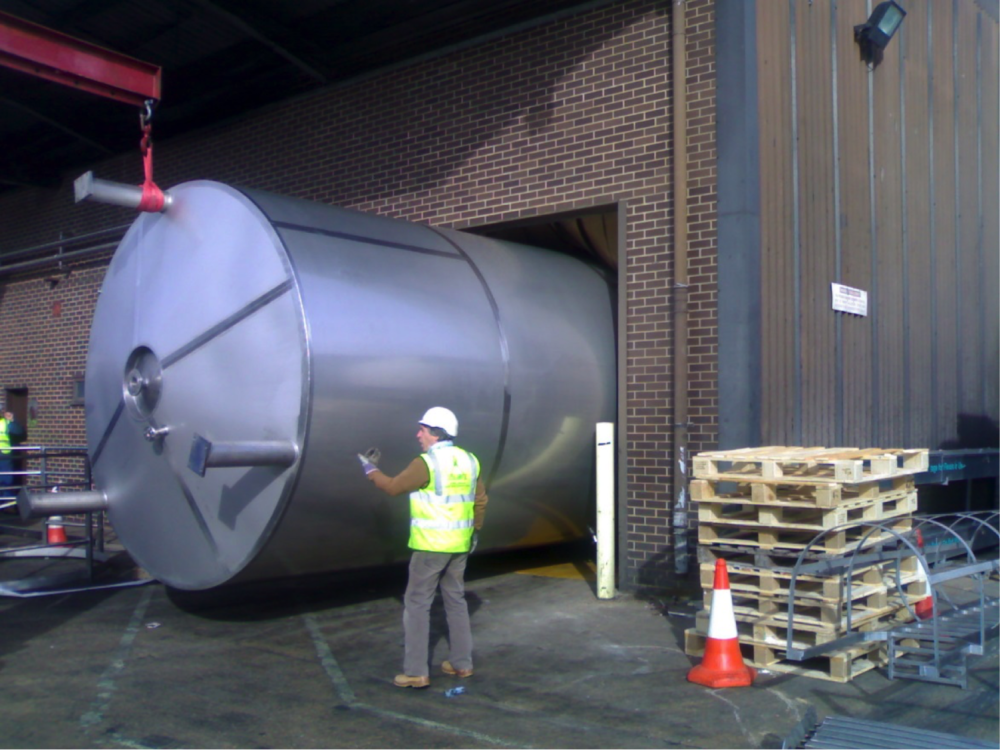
404	680
448	669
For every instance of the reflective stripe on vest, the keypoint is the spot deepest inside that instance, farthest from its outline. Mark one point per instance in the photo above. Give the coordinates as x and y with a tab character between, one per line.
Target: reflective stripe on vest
442	514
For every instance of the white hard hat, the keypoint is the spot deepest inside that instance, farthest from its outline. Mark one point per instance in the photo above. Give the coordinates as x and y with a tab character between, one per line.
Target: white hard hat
438	416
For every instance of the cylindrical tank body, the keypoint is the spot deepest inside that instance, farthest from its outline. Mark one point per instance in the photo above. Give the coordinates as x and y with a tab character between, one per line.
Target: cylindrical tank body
245	319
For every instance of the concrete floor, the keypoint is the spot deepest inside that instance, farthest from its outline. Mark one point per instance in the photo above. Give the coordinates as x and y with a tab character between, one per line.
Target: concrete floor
311	664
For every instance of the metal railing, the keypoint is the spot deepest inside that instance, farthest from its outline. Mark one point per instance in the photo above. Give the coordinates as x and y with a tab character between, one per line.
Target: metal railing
50	469
940	549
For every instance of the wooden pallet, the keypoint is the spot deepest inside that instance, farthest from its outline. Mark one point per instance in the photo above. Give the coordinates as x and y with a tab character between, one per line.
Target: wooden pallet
868	604
750	579
774	632
832	542
809	465
746	512
829	495
769	633
769	559
838	666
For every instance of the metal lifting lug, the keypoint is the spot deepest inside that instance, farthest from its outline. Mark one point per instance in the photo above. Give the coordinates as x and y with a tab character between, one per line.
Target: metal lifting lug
153	434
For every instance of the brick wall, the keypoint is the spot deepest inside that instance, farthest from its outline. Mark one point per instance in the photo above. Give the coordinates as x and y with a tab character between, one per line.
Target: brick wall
571	114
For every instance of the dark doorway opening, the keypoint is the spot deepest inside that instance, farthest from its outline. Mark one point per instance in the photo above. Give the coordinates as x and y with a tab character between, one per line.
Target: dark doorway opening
592	233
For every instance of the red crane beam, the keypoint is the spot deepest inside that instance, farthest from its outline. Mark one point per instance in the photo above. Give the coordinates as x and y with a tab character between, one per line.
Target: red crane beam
57	57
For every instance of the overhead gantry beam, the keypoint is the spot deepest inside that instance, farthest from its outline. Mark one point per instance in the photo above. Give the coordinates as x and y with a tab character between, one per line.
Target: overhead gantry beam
45	53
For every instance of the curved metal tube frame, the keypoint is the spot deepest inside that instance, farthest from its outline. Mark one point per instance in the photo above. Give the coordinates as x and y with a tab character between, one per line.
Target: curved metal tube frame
903	540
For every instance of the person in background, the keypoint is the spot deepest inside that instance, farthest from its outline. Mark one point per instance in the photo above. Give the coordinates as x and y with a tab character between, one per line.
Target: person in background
11	434
447	507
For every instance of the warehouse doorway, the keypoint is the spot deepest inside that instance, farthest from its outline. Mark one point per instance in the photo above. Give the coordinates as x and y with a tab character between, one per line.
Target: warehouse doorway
16	402
592	233
597	234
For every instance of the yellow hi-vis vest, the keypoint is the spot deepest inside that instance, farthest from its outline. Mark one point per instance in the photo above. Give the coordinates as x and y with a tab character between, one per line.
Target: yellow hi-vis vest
441	514
4	437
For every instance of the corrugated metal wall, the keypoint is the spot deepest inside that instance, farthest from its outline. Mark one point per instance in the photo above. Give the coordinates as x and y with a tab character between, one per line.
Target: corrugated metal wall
883	179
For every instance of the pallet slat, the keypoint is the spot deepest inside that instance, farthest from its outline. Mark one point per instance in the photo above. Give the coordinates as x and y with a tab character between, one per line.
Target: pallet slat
837	666
825	495
832	542
744	512
808	465
750	579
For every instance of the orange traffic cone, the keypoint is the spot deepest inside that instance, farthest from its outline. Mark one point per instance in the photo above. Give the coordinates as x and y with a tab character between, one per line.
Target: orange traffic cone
55	533
924	609
722	665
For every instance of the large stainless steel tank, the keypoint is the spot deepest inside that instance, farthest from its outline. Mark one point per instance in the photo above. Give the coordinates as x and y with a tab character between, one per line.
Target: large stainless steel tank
246	346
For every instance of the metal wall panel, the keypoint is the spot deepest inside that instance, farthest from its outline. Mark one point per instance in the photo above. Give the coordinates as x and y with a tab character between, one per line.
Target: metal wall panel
855	390
780	388
944	255
969	323
913	56
886	175
817	266
881	178
987	199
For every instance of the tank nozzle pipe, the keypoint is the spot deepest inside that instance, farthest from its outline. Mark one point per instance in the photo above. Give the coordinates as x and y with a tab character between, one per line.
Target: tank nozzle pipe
88	187
37	504
207	455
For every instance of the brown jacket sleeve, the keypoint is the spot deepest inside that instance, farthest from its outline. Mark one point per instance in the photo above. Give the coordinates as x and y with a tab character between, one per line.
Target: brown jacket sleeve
410	479
481	500
415	477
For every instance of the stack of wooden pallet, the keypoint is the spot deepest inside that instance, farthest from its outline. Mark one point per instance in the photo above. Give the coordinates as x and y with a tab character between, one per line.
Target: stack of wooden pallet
772	513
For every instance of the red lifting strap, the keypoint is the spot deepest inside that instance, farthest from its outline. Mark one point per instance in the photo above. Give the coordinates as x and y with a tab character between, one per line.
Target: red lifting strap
152	197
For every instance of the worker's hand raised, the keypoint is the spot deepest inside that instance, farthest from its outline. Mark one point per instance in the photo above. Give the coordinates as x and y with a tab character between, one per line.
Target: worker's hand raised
369	460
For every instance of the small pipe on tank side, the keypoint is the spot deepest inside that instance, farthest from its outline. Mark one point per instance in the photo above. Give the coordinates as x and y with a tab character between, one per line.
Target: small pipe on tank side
88	187
205	454
37	504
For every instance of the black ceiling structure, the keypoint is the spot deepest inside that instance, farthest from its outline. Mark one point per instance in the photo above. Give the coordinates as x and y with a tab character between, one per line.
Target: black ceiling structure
220	60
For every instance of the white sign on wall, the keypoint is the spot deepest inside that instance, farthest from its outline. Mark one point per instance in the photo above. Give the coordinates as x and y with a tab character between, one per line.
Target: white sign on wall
849	300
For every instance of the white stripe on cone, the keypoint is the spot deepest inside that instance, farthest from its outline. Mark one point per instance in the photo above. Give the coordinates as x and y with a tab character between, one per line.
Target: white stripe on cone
722	618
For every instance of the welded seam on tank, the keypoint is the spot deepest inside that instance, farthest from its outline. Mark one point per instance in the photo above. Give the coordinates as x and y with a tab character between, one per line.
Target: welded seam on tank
193	345
504	353
106	684
363	239
107	433
219	328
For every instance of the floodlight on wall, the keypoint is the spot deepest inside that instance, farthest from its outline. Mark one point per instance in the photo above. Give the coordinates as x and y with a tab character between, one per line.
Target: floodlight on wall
874	34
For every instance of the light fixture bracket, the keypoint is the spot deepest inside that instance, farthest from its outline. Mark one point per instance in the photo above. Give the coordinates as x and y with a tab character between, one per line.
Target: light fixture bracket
874	34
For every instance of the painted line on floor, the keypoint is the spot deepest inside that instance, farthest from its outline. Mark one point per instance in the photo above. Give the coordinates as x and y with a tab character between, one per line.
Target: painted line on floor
125	742
479	736
329	663
737	716
106	684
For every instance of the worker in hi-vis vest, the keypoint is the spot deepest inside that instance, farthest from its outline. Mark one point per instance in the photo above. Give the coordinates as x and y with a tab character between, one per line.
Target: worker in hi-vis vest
11	433
447	506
